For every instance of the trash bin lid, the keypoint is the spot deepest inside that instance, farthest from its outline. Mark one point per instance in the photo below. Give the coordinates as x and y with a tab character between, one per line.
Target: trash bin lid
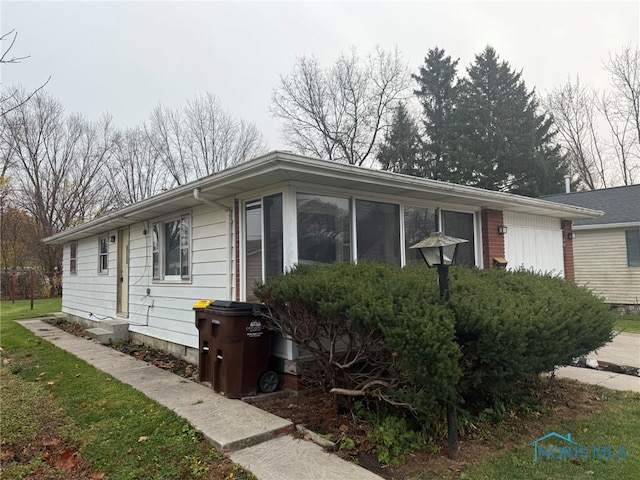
230	306
201	304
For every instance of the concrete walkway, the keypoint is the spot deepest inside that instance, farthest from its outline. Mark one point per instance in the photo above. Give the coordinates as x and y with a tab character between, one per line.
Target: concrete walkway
255	439
623	350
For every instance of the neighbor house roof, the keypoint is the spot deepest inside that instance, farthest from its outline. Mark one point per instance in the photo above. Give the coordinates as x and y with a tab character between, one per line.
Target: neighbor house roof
621	206
278	168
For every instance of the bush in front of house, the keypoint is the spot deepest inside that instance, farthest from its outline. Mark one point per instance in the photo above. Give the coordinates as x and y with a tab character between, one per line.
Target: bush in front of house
513	325
383	330
370	329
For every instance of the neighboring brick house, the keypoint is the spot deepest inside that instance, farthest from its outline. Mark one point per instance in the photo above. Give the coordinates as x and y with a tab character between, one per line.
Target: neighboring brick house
607	248
150	262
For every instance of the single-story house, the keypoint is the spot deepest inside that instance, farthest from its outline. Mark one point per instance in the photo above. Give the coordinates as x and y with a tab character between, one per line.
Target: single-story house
606	249
149	263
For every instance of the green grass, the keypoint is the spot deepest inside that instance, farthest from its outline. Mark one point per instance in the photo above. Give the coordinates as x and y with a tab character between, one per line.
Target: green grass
617	425
629	323
117	430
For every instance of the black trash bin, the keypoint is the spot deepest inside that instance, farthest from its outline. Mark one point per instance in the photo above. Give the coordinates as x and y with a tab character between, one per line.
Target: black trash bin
205	341
239	350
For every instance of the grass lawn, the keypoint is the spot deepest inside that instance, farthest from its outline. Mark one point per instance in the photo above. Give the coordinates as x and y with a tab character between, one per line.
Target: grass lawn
616	426
629	323
62	418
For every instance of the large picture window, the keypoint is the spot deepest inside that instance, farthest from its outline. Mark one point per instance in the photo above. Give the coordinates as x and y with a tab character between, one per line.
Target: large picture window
632	238
378	230
324	225
171	249
460	225
103	255
419	223
263	241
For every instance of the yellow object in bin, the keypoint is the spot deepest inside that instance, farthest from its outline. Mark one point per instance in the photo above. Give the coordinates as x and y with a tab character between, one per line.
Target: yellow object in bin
202	304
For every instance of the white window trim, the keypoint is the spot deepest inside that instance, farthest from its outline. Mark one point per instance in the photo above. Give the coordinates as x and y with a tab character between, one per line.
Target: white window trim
162	278
73	269
104	271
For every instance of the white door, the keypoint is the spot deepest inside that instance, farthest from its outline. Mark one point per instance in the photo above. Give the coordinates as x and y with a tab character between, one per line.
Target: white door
123	272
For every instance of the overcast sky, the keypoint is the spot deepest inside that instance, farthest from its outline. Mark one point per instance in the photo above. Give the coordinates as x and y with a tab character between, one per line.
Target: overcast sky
124	57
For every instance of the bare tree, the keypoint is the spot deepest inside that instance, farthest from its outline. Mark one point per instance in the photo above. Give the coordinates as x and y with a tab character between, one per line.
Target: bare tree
621	109
139	173
7	101
56	166
575	114
338	113
201	138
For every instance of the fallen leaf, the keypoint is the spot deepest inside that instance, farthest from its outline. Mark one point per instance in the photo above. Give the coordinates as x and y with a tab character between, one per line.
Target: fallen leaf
143	438
51	383
7	455
77	375
68	460
97	475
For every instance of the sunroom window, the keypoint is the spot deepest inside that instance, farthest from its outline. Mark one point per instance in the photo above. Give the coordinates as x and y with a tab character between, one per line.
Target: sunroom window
324	226
378	230
419	223
460	225
263	241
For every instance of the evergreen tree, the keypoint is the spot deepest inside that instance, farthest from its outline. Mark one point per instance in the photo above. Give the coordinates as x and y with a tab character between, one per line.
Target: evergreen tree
502	142
438	94
400	151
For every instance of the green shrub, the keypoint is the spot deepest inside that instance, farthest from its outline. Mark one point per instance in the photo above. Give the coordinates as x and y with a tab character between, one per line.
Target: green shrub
513	325
384	331
369	328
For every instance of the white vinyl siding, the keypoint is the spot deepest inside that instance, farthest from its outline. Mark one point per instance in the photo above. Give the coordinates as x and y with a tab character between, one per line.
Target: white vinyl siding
534	243
600	261
166	312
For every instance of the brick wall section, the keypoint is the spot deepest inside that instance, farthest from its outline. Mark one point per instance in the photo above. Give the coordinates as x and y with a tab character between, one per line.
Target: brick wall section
567	250
492	241
236	221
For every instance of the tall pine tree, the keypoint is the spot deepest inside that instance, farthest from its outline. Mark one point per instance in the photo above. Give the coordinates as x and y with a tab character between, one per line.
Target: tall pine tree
400	151
485	130
438	93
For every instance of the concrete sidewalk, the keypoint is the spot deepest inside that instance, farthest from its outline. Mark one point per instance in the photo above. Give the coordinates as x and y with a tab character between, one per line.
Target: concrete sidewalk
623	350
255	439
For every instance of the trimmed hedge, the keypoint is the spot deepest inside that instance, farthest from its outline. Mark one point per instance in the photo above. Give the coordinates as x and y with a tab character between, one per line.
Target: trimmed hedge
513	325
384	330
368	328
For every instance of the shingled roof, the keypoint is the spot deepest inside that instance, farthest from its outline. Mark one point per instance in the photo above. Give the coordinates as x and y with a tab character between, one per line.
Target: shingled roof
620	204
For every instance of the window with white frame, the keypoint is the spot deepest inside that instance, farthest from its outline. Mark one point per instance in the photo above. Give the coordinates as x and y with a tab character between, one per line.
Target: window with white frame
103	255
171	250
378	231
419	223
324	229
461	225
263	256
73	258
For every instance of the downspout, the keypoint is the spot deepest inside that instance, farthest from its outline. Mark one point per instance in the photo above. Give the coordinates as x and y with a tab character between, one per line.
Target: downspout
197	194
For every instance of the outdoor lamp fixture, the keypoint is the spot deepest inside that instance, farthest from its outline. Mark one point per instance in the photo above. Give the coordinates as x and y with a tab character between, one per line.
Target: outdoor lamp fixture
571	235
439	250
502	229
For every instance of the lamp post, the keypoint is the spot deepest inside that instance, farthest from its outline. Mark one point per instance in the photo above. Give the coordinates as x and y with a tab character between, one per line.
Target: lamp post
440	250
